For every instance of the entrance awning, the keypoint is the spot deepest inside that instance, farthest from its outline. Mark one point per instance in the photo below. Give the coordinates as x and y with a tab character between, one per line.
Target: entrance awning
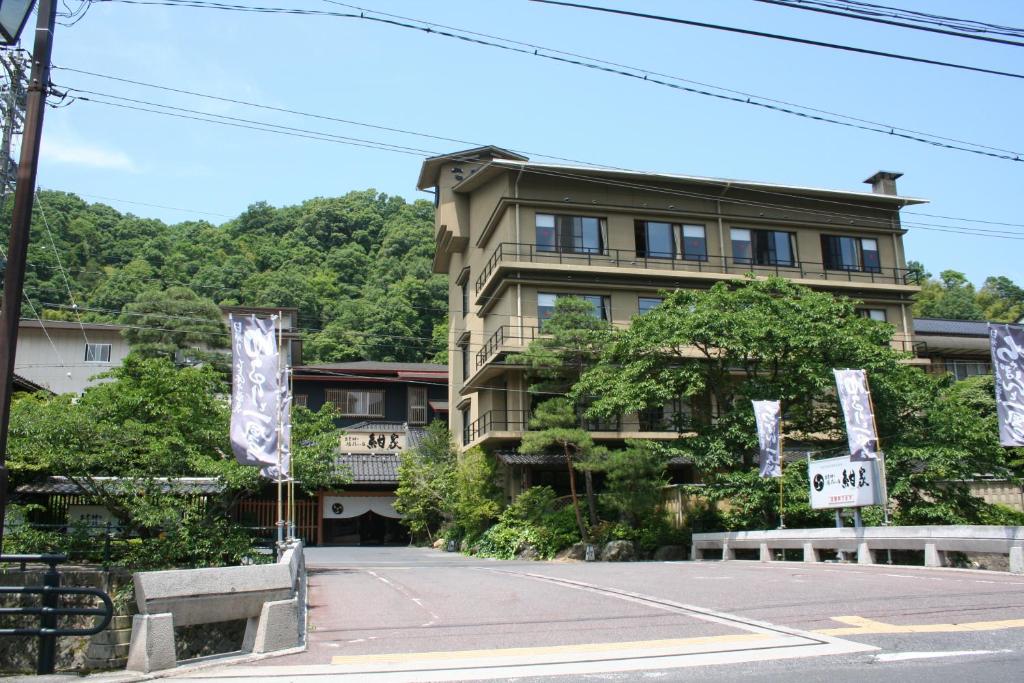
343	507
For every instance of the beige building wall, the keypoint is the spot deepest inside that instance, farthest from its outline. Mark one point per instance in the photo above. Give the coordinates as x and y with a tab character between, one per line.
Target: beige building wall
52	354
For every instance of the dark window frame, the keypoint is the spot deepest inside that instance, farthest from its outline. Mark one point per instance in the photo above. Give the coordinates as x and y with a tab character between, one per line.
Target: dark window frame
763	248
832	254
565	235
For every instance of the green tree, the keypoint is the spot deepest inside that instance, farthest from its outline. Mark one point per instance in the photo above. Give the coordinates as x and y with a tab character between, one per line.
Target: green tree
634	479
572	341
177	321
426	478
1001	300
951	296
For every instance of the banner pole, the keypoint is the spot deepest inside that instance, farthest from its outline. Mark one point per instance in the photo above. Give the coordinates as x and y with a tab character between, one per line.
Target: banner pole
291	465
782	465
881	454
280	433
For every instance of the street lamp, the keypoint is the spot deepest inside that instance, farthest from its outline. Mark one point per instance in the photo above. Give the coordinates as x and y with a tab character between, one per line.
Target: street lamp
13	15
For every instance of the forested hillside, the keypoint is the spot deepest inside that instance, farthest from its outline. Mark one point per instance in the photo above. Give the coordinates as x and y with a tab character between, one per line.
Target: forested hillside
357	267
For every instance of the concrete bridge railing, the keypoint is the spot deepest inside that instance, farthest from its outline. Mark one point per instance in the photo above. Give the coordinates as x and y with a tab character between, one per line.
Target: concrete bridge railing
270	597
935	541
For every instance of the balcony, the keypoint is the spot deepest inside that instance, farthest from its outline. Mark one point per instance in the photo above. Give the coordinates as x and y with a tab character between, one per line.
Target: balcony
511	424
961	369
715	267
506	338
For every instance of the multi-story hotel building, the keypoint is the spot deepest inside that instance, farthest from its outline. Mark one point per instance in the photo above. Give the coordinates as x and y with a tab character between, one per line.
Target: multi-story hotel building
514	235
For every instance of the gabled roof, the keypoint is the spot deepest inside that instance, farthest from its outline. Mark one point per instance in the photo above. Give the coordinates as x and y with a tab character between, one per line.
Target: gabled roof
431	168
370	468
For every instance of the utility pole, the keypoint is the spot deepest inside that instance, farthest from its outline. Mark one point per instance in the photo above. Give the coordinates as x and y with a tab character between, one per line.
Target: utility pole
17	245
12	113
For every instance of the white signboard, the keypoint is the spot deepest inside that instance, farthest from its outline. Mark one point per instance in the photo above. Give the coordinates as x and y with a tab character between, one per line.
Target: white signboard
94	516
842	483
373	442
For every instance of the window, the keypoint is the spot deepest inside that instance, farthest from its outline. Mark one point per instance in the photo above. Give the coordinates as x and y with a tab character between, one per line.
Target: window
464	353
356	402
466	437
571	234
662	240
300	400
546	305
465	298
873	313
648	302
97	353
417	405
851	253
676	415
763	247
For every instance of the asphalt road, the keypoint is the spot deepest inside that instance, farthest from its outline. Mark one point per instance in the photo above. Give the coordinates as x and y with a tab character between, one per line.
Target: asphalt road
407	614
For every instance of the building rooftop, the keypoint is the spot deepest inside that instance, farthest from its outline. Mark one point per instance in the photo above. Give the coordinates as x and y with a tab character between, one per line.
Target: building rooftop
180	485
370	468
951	328
374	367
68	325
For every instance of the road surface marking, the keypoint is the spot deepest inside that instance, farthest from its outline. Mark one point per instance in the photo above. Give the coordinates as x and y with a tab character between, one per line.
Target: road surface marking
545	650
860	626
904	656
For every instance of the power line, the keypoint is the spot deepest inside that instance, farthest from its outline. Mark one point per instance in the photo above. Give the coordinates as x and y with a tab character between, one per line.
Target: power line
60	266
966	25
777	36
639	74
836	10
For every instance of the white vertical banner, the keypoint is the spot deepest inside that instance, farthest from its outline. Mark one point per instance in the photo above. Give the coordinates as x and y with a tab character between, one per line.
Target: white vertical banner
768	415
255	392
1008	367
271	471
855	398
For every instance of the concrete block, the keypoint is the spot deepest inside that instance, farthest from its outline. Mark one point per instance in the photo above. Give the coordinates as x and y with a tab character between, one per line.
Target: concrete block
864	554
696	553
152	647
933	557
766	552
1017	559
727	552
278	627
810	553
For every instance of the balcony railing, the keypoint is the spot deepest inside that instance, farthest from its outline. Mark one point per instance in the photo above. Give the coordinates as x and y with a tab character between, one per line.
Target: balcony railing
623	258
916	349
961	369
519	421
506	335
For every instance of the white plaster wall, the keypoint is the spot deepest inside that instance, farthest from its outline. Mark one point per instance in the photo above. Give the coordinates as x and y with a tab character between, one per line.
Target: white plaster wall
61	366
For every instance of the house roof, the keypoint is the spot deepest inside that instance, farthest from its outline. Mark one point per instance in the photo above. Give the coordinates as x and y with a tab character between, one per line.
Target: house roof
377	366
68	325
431	168
951	328
569	171
370	468
20	383
182	485
375	371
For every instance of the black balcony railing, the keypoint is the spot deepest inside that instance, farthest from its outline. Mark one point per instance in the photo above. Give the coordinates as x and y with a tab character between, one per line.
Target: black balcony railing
506	335
496	421
624	258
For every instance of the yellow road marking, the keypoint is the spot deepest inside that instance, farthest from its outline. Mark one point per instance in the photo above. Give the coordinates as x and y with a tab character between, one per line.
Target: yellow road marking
859	626
581	648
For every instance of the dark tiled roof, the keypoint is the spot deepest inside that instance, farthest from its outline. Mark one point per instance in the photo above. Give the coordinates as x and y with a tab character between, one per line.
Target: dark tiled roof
957	328
183	485
371	468
549	459
375	366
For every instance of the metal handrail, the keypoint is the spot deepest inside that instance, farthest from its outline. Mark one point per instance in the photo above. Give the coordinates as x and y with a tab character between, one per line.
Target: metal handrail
712	263
50	610
501	336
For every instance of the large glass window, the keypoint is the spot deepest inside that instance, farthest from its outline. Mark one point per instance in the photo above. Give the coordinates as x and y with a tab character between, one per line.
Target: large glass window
851	253
646	303
763	247
695	244
97	353
546	305
655	239
570	234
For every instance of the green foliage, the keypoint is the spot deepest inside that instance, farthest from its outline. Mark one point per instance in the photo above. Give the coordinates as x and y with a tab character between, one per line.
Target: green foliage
476	496
952	296
634	478
426	483
314	449
357	267
151	422
753	501
174	322
533	519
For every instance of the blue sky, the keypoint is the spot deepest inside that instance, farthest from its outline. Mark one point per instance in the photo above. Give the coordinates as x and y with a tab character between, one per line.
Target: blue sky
373	73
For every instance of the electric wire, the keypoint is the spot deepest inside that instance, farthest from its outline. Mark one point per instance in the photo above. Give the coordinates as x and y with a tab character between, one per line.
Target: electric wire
641	75
56	254
836	10
777	36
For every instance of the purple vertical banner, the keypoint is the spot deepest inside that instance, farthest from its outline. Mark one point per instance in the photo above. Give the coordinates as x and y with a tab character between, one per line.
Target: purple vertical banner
768	415
254	392
1008	367
855	397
